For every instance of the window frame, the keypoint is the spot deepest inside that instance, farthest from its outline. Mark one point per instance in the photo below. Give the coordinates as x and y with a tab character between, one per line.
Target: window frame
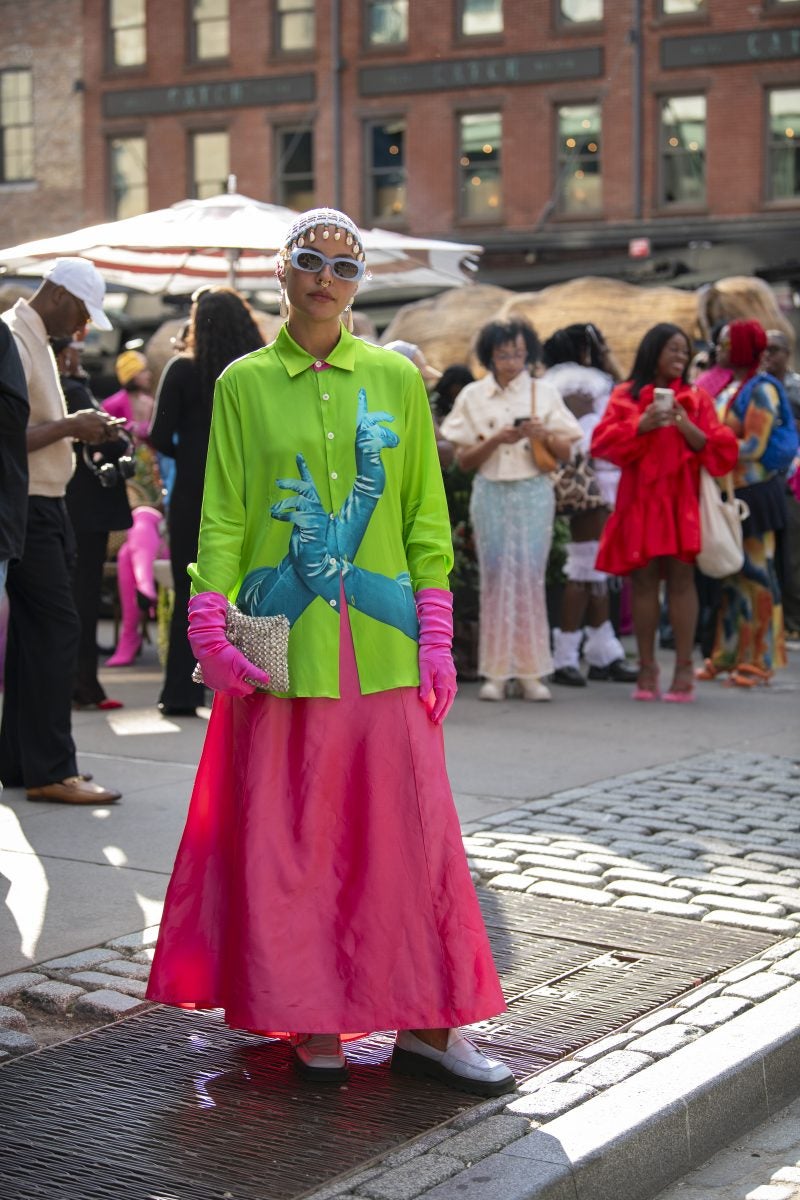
191	27
30	125
128	135
192	190
770	198
461	33
280	176
110	30
304	51
371	47
663	204
560	162
464	217
371	173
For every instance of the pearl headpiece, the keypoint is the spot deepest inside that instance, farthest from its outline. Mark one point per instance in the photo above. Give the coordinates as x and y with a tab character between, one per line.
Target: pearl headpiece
337	230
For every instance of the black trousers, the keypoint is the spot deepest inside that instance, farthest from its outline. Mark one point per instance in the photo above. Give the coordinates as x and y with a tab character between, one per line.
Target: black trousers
179	691
91	557
36	746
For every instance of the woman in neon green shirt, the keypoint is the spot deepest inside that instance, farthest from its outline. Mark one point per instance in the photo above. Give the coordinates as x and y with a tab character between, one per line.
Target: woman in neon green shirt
321	889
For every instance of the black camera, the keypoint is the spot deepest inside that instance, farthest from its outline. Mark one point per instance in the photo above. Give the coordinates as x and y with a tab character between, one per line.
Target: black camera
110	472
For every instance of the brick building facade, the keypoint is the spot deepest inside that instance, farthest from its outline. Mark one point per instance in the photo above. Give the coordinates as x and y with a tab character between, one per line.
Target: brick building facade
554	132
41	118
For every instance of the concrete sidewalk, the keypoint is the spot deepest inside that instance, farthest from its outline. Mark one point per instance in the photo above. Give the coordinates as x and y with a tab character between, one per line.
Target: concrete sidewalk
690	811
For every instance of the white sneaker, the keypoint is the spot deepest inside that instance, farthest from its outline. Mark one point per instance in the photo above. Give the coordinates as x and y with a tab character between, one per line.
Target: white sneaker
460	1066
532	689
492	689
319	1056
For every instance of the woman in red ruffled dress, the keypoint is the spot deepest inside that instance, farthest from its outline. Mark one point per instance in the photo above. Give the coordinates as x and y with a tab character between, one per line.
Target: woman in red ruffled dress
660	442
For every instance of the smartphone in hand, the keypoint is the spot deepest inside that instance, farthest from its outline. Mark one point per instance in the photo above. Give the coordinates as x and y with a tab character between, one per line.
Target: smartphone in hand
663	398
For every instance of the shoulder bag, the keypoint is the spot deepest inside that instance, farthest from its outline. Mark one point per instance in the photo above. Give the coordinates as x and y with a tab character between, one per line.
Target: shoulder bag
721	516
545	461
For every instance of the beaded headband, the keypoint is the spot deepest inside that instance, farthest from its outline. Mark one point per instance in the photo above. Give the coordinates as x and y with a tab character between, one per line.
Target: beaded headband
336	228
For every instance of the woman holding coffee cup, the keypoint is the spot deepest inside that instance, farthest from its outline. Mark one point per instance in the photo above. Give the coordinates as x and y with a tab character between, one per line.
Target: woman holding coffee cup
660	430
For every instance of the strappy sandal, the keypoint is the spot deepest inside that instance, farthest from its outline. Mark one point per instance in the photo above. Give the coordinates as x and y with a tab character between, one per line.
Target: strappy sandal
748	675
709	671
681	693
647	672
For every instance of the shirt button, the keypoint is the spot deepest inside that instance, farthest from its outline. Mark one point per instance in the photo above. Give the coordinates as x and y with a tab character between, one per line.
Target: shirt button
330	437
332	603
334	475
331	516
325	396
318	365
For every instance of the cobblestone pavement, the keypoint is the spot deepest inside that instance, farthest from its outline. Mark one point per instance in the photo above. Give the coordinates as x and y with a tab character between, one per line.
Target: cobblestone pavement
762	1165
714	838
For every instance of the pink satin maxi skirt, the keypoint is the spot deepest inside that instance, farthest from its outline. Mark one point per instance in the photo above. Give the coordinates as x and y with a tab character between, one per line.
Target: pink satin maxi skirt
321	885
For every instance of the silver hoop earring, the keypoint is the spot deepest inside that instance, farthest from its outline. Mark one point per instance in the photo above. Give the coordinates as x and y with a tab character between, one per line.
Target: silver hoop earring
284	307
348	318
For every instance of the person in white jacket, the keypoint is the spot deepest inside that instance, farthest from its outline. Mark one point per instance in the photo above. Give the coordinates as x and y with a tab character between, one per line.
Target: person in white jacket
578	361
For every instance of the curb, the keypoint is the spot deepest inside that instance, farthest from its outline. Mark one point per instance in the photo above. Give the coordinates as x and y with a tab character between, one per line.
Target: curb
643	1134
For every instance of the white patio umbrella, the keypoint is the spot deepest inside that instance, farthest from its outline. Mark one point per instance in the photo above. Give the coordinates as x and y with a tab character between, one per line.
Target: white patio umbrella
231	239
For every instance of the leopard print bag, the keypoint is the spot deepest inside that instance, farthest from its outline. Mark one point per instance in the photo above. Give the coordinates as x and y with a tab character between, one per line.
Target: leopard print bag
576	487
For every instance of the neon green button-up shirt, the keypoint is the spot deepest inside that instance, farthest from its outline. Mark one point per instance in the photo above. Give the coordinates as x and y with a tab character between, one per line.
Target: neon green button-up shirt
389	533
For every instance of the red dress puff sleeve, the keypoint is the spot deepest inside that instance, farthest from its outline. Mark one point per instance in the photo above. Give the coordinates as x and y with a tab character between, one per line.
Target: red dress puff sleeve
657	512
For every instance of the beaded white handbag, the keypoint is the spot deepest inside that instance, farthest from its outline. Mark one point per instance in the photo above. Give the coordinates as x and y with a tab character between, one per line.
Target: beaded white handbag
264	641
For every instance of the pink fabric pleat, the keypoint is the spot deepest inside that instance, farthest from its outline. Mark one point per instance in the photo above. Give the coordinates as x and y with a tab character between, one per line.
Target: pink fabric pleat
321	883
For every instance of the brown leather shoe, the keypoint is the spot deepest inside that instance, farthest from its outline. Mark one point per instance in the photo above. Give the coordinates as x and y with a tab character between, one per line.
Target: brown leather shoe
74	790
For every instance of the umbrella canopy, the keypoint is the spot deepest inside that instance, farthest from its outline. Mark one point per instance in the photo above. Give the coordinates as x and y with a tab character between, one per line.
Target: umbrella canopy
231	239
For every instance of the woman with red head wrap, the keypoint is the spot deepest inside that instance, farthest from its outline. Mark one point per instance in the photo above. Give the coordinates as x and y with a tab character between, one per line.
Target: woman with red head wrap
749	638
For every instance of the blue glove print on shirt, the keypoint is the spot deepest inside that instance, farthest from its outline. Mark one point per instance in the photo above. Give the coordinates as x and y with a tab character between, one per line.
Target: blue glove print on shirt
321	550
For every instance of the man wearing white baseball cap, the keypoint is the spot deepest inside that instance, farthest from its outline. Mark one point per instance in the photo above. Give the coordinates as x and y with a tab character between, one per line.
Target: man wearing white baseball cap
36	747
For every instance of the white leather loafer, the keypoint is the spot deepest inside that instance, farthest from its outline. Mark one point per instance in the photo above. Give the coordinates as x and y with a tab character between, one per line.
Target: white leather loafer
460	1066
319	1056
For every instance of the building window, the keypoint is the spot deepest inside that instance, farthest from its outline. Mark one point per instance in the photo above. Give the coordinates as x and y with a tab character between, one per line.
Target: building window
127	33
682	8
295	168
16	125
481	17
386	171
210	163
683	150
784	144
579	164
210	30
128	175
579	12
480	143
387	22
295	29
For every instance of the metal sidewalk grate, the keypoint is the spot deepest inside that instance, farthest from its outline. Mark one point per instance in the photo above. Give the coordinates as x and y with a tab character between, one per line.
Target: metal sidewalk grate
175	1106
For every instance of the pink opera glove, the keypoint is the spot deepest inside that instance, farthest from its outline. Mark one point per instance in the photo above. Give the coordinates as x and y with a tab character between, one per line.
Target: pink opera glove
437	672
224	667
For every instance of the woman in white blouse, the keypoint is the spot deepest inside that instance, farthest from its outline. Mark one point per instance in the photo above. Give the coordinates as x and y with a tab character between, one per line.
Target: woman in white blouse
493	424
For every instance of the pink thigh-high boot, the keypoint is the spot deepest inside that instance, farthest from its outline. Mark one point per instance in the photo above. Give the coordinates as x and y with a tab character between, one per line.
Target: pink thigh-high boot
135	579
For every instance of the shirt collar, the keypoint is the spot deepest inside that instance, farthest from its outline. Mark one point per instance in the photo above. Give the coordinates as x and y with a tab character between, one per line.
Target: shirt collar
519	382
296	360
30	317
